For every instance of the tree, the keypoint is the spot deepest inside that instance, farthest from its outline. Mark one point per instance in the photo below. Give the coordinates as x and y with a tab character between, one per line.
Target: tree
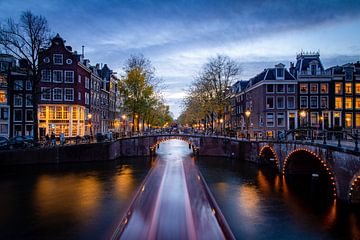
208	95
24	40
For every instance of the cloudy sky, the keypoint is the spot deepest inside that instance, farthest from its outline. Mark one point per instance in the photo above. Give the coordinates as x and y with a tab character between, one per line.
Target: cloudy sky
178	36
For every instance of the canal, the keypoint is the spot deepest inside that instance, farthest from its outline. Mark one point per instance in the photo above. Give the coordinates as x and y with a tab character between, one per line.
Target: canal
78	201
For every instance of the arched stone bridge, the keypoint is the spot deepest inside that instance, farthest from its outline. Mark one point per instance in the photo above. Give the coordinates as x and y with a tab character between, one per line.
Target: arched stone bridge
341	165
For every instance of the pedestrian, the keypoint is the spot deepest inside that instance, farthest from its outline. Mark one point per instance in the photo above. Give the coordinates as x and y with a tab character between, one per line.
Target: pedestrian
53	139
62	138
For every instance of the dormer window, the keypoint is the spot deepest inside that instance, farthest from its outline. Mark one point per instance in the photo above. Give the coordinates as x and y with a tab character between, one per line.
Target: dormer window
313	69
280	71
348	75
58	59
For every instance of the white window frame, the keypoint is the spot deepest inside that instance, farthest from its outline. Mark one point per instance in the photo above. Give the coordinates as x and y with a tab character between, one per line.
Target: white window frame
287	102
267	88
26	100
279	97
72	94
307	88
61	76
58	55
18	85
277	117
27	110
65	76
287	88
79	96
87	98
327	88
273	114
21	100
317	88
21	111
317	101
87	83
26	85
307	102
277	88
327	102
43	89
268	97
47	73
54	93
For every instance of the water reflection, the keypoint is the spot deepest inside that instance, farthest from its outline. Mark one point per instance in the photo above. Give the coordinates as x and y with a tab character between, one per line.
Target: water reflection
69	201
259	204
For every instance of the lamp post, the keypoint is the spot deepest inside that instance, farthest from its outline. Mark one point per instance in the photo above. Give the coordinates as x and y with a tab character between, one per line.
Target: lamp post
124	123
221	126
90	124
247	114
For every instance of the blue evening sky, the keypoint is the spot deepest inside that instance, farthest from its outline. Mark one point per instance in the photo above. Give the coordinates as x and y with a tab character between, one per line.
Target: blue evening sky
178	36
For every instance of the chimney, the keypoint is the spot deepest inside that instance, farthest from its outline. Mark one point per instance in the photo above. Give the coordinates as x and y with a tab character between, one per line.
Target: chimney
82	50
97	66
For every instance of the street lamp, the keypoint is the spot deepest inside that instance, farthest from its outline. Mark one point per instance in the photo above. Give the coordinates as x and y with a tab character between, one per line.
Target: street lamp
247	114
221	125
124	122
90	124
303	116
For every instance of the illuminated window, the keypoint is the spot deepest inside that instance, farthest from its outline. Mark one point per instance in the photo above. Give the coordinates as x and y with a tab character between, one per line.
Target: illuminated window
303	88
357	88
75	113
58	113
51	112
348	103
313	88
338	103
357	120
357	103
3	98
338	88
46	75
348	120
348	88
324	88
42	113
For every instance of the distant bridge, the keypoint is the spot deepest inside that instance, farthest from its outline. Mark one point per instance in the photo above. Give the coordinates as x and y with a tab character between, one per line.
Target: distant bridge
341	164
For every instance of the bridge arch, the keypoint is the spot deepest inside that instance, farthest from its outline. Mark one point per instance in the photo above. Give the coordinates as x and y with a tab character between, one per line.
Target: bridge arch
292	162
268	155
354	189
168	138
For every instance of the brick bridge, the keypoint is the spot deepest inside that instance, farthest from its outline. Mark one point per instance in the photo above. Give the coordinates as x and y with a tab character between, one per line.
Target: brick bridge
341	165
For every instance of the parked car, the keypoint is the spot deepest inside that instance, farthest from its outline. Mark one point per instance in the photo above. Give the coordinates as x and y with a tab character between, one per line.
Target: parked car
4	143
21	142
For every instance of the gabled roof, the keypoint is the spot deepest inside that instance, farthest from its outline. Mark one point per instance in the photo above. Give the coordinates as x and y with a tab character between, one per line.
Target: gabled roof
269	74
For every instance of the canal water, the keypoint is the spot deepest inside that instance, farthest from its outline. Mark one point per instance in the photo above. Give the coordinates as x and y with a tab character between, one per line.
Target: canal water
88	200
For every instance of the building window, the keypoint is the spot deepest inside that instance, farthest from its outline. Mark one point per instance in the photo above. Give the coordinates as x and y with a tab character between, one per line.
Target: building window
270	102
79	96
280	119
279	73
357	120
348	88
338	103
29	101
17	130
313	69
357	103
18	85
291	88
29	130
4	113
18	101
17	115
348	75
303	102
87	83
57	76
348	103
69	76
280	102
314	119
58	59
324	88
57	94
69	94
46	93
46	75
3	98
87	98
280	88
28	85
29	116
313	88
291	102
324	102
348	120
79	78
303	88
270	88
357	88
269	119
4	129
338	88
313	102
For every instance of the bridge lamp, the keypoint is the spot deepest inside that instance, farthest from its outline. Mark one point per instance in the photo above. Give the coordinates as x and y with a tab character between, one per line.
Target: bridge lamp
123	116
303	114
221	120
247	113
